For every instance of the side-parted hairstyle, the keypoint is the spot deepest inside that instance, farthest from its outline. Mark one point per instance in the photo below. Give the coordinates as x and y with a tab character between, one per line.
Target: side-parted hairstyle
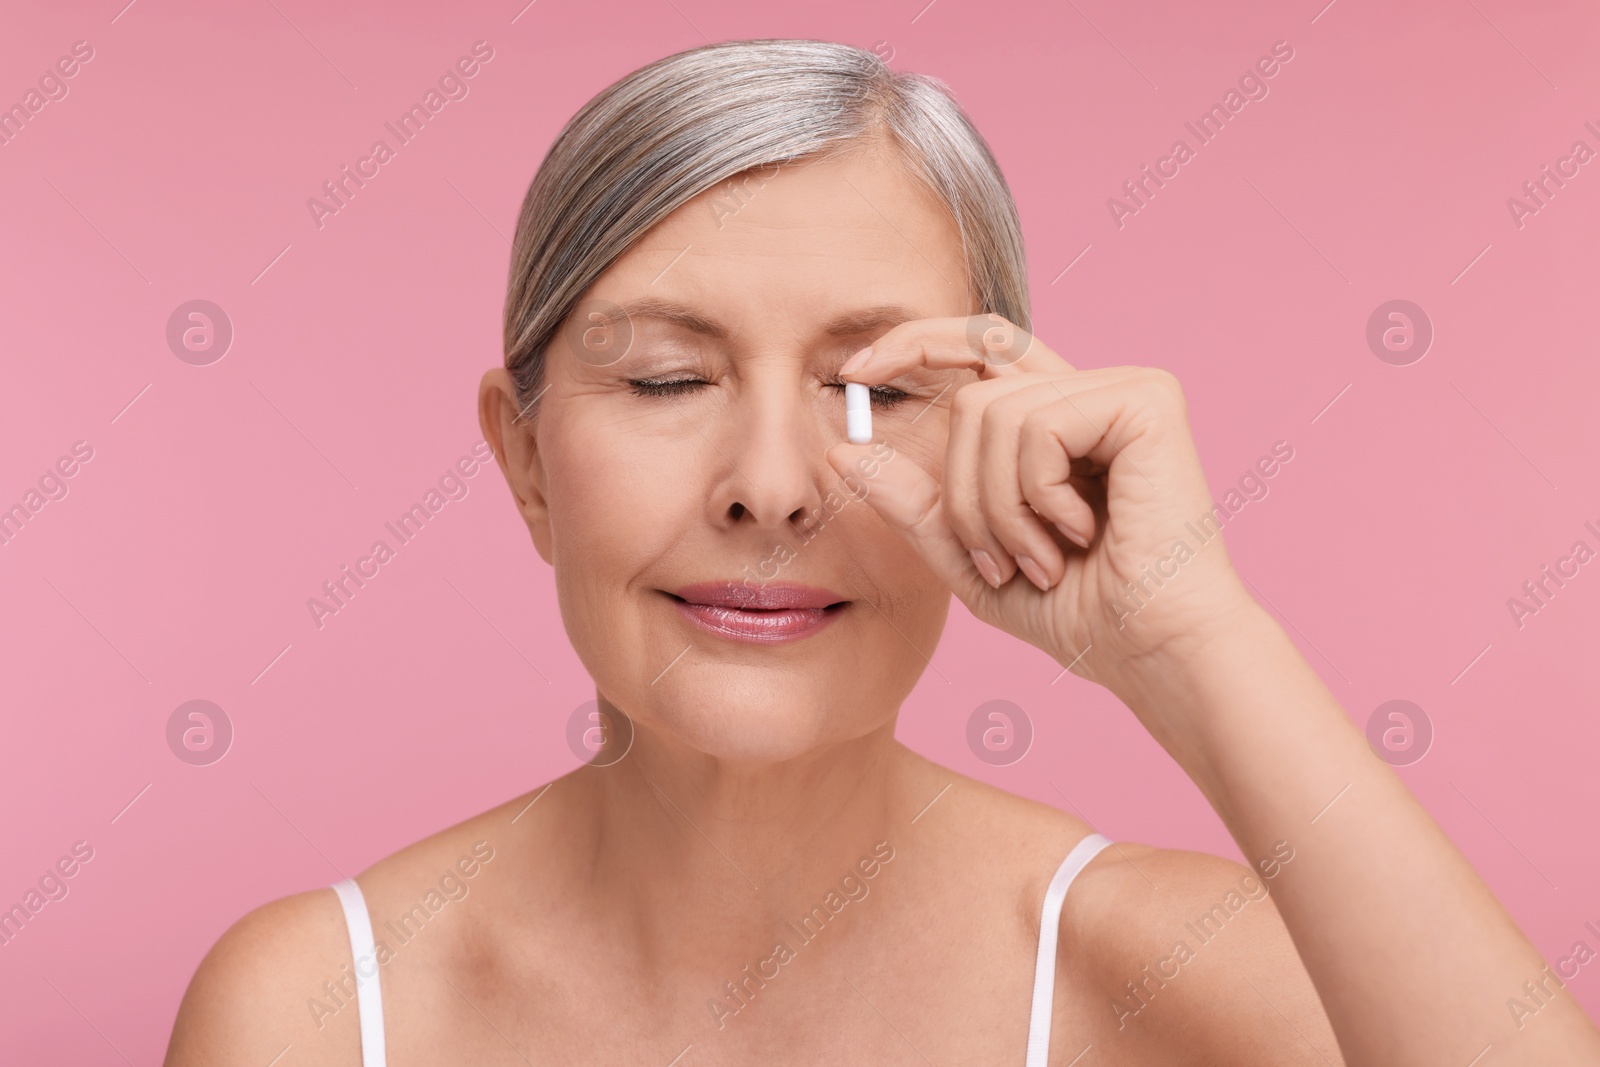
672	130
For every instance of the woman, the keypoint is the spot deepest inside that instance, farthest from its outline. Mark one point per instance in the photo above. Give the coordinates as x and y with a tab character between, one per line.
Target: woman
753	869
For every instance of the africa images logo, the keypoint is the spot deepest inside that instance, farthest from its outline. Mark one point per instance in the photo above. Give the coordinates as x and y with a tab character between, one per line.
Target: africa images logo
453	85
1211	123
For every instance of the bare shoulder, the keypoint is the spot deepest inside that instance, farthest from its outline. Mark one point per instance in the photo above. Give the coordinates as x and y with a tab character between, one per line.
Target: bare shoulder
1183	956
1017	842
283	976
247	1001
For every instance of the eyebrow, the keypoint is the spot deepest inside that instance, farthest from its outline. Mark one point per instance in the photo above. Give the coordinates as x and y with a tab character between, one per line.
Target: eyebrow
852	323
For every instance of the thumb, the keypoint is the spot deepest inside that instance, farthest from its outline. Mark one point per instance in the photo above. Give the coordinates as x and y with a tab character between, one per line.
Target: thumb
911	503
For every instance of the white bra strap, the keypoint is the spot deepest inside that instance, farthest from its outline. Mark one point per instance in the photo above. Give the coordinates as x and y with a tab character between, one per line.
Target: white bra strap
369	1000
1044	970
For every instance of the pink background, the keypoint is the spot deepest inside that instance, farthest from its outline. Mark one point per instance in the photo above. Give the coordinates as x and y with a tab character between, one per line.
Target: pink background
178	567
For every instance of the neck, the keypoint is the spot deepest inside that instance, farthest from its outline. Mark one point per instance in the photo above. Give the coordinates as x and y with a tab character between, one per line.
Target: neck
703	860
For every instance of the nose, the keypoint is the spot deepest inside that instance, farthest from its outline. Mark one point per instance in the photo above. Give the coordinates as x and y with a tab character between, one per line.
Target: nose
770	444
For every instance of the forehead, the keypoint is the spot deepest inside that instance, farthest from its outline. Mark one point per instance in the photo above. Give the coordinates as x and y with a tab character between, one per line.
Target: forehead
807	244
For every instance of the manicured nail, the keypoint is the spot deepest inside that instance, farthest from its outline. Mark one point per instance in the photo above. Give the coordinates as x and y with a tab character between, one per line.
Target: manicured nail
1073	535
1035	573
857	361
986	566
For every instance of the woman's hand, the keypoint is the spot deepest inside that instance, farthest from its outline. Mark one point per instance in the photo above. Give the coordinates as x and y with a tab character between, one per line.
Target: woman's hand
1073	512
1039	453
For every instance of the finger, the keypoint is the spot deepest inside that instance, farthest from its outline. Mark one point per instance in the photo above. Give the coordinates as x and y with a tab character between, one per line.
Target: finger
984	498
1043	482
963	474
909	501
1020	474
988	344
1115	427
1005	510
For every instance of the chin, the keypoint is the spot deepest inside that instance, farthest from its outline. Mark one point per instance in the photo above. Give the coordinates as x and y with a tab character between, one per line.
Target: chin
760	718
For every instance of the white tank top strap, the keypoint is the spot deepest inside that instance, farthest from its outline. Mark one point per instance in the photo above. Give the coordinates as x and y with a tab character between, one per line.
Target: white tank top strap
369	999
1044	970
364	959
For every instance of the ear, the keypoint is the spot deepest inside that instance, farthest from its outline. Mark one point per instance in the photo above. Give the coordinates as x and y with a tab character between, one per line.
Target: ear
517	452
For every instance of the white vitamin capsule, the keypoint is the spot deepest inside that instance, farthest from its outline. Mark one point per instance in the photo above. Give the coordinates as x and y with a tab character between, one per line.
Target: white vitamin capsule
857	413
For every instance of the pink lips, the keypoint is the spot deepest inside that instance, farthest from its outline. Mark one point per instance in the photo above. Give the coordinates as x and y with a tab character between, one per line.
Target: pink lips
761	613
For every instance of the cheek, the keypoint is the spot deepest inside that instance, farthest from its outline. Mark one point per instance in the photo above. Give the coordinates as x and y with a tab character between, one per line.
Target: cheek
919	427
614	501
925	443
612	483
889	574
614	511
880	562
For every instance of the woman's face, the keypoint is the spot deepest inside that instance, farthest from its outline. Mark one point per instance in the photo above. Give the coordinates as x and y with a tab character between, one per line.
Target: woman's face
758	291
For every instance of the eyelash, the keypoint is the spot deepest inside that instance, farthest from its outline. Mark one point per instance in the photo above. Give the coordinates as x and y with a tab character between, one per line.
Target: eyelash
882	395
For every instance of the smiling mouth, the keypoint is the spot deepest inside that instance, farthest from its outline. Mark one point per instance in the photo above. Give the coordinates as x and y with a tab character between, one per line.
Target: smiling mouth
729	618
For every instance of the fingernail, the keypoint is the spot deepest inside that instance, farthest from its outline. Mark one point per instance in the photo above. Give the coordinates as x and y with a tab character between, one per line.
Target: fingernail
1073	535
986	566
1035	573
857	361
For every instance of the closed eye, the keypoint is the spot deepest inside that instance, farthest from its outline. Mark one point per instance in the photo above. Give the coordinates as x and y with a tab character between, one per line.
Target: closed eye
670	387
882	395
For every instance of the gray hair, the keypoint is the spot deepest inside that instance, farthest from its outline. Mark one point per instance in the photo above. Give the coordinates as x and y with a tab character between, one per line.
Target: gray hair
673	129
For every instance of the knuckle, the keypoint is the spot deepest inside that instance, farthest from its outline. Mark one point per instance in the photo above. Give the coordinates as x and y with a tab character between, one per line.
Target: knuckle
968	401
1163	379
1166	387
1038	421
